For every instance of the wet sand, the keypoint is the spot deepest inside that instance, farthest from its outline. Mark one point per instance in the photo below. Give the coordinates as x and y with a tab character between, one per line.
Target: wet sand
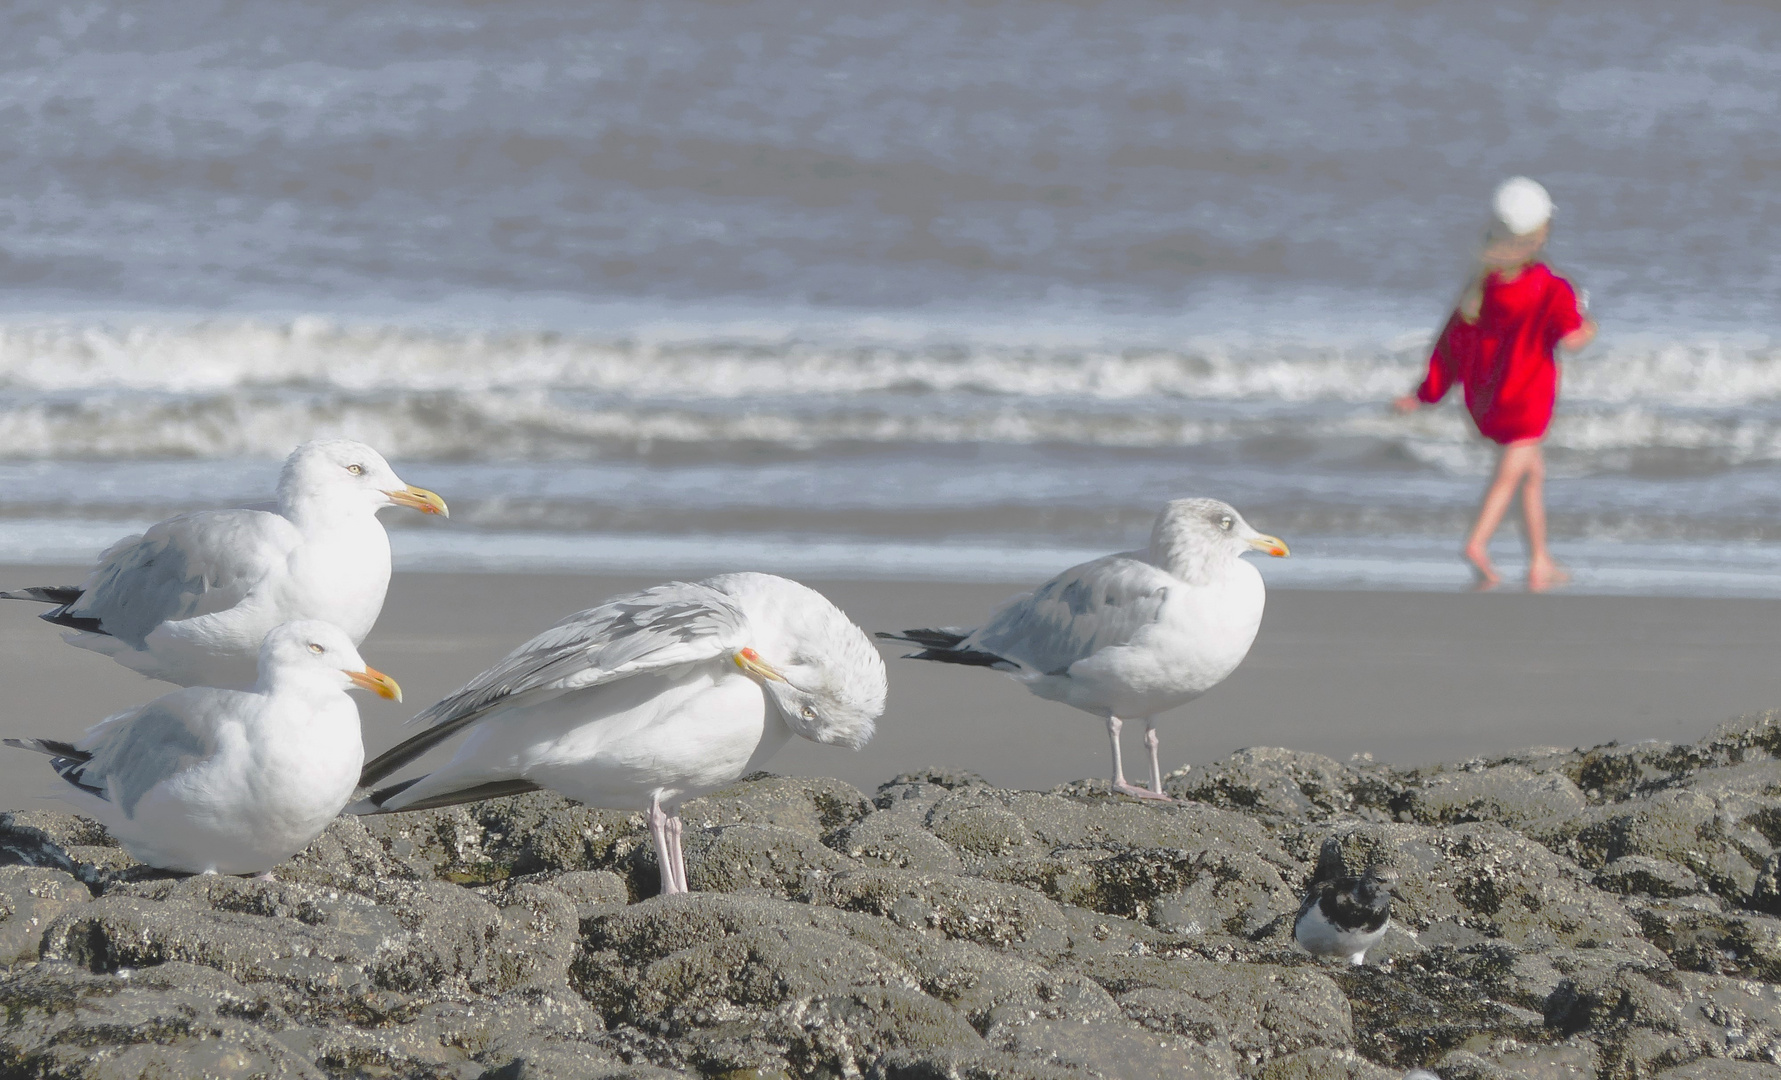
1405	677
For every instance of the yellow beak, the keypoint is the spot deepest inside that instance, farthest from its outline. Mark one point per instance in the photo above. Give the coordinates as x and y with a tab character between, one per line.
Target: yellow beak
750	661
377	682
419	499
1270	544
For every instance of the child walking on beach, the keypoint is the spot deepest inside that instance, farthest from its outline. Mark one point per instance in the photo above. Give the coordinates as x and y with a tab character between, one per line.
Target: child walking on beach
1498	345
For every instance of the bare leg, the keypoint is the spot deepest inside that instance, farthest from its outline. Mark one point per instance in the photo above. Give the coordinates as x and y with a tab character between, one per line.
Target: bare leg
1512	464
1156	765
678	858
658	832
1542	572
1119	781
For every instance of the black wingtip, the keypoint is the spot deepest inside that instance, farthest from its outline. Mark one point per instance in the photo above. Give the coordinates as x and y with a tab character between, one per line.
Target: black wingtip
966	657
55	748
494	789
385	794
45	594
60	617
944	637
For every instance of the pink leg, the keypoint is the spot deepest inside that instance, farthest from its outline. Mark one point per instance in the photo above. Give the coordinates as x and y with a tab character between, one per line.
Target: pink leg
658	832
1119	780
1156	765
679	858
267	876
1543	572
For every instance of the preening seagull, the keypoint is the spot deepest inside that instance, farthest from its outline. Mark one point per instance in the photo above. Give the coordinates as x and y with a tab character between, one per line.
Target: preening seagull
205	780
1129	635
1343	916
649	699
190	600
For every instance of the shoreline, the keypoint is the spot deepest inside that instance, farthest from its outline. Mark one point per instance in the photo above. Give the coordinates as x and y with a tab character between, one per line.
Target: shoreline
1404	676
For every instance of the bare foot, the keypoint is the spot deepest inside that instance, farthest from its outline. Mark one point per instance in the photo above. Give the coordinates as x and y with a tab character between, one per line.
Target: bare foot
1488	578
1137	792
267	876
1544	574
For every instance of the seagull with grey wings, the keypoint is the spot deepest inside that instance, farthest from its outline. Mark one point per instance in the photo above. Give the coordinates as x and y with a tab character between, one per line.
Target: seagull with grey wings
207	780
1128	635
190	600
647	700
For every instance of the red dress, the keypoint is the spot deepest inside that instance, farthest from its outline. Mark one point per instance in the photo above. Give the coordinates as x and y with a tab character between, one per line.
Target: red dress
1504	360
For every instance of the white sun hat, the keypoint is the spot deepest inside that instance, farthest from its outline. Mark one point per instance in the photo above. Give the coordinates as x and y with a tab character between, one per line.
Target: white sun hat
1522	205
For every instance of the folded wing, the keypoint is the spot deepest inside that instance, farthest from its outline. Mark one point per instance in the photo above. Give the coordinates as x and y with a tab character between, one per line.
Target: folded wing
187	566
657	628
1083	610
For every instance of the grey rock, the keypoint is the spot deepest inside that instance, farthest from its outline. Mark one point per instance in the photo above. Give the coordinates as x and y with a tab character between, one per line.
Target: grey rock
31	897
898	840
1652	877
1270	780
966	908
1602	913
814	807
781	861
1268	1011
1323	1063
1722	1069
1119	1051
175	1019
491	841
1512	795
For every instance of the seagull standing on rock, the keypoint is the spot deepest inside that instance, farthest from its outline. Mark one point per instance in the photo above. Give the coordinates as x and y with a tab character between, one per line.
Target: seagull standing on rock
190	600
206	780
647	700
1344	916
1129	635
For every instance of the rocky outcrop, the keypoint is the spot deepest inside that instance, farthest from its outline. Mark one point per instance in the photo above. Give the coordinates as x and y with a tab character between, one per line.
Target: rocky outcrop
1610	913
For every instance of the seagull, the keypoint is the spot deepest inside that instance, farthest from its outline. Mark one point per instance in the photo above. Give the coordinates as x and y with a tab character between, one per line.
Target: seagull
649	699
1344	916
206	780
1128	635
190	600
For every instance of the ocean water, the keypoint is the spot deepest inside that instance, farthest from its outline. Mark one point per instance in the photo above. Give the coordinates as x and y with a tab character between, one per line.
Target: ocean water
926	290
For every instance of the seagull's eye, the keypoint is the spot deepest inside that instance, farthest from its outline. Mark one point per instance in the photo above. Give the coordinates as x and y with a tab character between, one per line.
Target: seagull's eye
356	470
316	649
809	712
1225	523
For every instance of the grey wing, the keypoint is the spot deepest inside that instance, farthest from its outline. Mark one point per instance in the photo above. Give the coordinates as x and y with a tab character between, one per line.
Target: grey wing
661	627
134	751
1083	610
190	565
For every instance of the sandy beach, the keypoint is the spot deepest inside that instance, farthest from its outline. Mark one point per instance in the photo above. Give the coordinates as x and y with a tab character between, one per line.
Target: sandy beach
1406	677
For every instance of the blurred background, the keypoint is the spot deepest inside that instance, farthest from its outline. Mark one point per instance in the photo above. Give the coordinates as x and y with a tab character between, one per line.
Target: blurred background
926	290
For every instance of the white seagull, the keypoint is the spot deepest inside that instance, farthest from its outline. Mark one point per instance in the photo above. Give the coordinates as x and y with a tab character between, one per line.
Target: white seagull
190	600
205	780
650	699
1129	635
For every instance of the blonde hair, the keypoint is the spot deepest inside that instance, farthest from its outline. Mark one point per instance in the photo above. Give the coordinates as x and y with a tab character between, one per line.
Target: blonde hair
1503	250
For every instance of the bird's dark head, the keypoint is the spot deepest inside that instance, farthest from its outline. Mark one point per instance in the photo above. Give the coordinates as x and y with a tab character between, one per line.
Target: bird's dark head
1375	885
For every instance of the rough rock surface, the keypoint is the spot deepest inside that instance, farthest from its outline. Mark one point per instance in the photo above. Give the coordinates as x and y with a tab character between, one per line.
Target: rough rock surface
1610	913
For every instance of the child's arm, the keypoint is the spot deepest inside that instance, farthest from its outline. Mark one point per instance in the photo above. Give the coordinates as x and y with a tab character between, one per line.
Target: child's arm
1579	337
1440	375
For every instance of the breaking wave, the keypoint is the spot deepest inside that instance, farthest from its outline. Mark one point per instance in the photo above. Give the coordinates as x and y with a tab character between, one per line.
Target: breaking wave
255	388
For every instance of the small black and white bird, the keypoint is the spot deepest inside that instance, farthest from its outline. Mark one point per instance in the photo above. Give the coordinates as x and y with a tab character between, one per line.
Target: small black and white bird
1344	916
